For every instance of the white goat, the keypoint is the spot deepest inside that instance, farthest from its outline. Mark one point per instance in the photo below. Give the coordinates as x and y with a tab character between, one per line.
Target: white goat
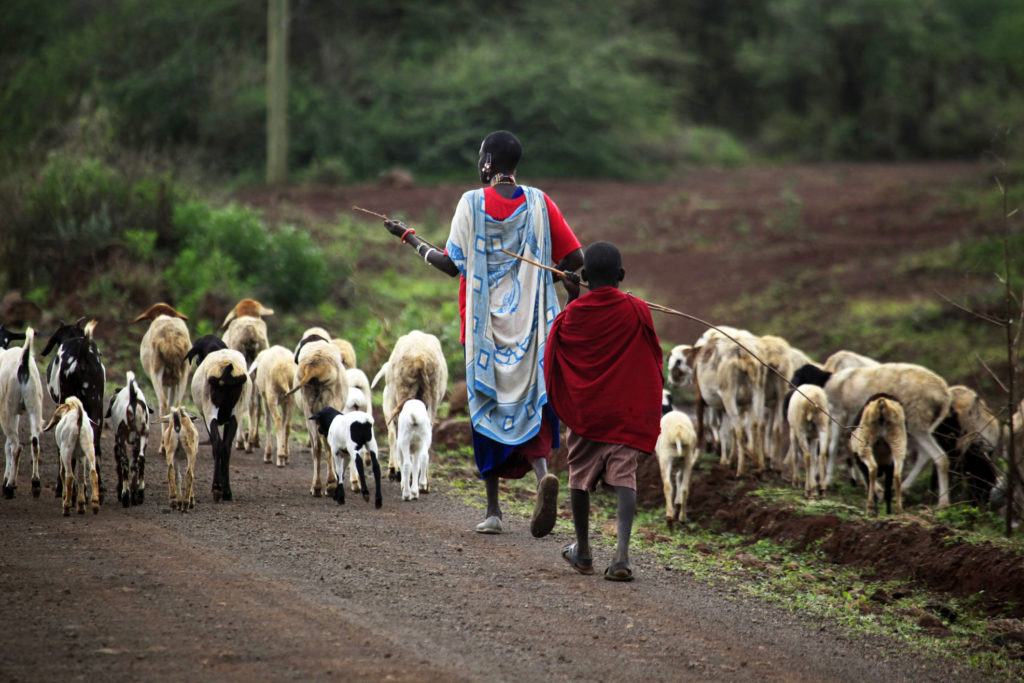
247	333
676	450
416	369
162	352
880	442
414	434
130	414
319	382
843	359
808	437
180	444
274	370
21	392
74	442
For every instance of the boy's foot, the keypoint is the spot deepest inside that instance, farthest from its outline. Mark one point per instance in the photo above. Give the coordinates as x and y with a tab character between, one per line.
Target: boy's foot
620	571
545	509
491	525
584	565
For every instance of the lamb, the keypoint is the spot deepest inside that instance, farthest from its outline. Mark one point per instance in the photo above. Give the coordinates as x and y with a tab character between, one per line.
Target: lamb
76	370
75	442
130	413
414	434
247	333
21	391
162	352
676	450
359	398
274	371
808	437
320	382
925	399
416	369
880	441
347	434
220	389
180	444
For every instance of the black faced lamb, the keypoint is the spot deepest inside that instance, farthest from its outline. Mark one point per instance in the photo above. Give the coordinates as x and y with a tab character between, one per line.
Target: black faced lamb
347	435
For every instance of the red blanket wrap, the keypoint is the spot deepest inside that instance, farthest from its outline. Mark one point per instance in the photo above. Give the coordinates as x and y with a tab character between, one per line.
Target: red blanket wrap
602	367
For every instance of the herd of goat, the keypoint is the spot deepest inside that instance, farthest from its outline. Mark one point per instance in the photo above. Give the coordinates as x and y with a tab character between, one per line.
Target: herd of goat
760	403
235	378
763	403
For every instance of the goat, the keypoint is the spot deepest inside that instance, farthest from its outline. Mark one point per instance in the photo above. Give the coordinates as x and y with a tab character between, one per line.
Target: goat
74	443
130	414
180	444
358	398
273	372
880	442
21	391
220	390
346	435
843	359
676	450
416	369
413	433
77	370
808	437
320	382
246	332
162	353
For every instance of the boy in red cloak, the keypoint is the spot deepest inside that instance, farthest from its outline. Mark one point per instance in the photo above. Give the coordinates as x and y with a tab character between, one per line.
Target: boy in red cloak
602	368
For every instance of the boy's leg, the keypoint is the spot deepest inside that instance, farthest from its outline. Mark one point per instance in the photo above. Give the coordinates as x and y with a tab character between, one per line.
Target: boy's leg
580	500
626	512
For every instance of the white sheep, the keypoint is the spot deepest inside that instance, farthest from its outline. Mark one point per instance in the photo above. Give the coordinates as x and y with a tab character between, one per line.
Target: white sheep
843	359
676	450
247	333
925	398
21	392
416	369
180	444
880	442
162	353
274	371
130	414
808	437
414	432
347	435
74	443
345	348
220	390
319	382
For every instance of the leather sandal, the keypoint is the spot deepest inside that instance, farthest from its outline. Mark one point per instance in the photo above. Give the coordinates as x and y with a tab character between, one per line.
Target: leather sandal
584	565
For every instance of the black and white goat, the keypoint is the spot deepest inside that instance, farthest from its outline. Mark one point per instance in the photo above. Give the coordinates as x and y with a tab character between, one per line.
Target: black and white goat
76	370
6	337
220	390
21	392
130	414
347	435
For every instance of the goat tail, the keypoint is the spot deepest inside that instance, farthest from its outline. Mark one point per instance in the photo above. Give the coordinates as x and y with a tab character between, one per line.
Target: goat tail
380	373
26	357
89	327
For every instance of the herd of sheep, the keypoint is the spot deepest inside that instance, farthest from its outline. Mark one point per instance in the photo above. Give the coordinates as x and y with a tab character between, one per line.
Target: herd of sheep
234	378
762	403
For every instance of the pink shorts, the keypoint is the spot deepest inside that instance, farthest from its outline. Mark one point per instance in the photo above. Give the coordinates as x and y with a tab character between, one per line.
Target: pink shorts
594	461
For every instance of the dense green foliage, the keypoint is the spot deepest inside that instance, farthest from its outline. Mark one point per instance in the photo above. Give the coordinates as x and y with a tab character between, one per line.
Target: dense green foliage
595	89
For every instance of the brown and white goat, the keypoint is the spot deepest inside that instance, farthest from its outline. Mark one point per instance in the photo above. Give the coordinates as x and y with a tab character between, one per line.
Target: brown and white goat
74	443
808	437
130	414
319	382
880	442
21	392
273	373
676	450
162	353
180	444
246	332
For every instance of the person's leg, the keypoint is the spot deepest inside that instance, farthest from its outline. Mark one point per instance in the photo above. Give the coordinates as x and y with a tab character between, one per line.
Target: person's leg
491	525
580	500
626	512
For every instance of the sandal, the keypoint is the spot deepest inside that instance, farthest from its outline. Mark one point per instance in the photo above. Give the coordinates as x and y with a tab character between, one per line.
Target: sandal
545	509
620	571
580	564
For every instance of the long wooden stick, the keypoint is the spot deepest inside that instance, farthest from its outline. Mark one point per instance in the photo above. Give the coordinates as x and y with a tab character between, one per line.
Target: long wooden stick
372	213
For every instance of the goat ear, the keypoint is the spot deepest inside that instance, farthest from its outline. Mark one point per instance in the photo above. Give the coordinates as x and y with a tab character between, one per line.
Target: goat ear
263	310
228	319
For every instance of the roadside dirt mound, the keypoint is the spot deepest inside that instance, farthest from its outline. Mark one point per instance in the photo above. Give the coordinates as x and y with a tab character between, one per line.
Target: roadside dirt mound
933	556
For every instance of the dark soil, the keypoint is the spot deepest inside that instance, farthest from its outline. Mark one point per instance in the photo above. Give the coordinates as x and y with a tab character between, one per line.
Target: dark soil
277	585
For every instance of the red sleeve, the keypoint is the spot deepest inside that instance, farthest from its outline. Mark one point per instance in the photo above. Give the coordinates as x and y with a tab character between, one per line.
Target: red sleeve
563	240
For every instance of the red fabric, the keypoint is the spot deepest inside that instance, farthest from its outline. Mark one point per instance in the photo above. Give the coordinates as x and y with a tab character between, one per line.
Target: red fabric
563	240
602	367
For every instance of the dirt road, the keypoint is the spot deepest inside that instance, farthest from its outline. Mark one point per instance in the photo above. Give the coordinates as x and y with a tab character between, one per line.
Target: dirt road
278	585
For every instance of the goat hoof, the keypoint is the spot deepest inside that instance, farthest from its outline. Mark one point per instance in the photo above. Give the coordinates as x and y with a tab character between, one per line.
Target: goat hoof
8	491
95	508
126	499
216	495
140	497
394	475
227	496
378	503
36	488
366	496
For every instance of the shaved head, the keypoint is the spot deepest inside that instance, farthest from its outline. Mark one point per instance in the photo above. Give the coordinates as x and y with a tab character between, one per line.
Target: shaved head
602	265
505	150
